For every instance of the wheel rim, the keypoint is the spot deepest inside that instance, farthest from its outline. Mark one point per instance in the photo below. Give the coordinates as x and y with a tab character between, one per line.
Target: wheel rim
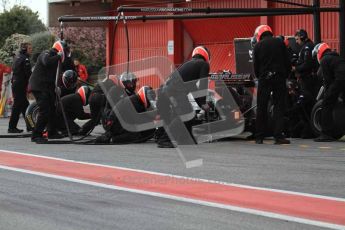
35	115
317	119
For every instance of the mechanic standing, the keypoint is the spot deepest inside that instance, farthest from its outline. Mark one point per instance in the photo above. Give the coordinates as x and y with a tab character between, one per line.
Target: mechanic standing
172	101
42	83
305	70
272	67
21	73
306	65
332	68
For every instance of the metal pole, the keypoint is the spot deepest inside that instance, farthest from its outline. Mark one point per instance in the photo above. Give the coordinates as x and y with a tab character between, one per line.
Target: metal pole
267	12
208	10
316	20
288	3
61	31
342	28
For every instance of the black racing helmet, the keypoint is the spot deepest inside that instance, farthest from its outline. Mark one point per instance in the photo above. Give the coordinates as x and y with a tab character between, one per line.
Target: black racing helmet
129	82
69	79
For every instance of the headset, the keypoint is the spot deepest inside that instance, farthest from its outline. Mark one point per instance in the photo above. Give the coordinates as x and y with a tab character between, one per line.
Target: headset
24	47
302	34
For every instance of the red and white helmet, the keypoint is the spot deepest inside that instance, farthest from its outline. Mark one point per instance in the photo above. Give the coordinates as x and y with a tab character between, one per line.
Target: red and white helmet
203	51
60	46
319	50
147	96
84	93
260	30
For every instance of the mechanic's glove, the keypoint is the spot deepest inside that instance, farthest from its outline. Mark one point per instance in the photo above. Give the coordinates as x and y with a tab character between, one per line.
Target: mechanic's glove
206	107
108	124
300	99
201	115
60	54
58	91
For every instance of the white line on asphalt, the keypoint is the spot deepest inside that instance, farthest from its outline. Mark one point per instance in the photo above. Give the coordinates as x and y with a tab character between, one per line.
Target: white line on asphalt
188	200
184	177
325	147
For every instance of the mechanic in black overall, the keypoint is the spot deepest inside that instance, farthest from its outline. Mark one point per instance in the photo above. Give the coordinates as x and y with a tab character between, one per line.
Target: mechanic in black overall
305	70
111	88
306	66
20	80
42	84
73	107
143	100
271	67
68	65
172	101
332	68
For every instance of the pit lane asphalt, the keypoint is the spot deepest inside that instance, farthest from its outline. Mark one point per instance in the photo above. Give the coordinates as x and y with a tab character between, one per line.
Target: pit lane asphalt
303	166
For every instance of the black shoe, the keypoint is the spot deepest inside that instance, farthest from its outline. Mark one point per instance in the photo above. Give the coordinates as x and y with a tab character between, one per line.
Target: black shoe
259	141
82	132
14	130
281	141
39	140
324	138
55	135
29	129
103	139
166	144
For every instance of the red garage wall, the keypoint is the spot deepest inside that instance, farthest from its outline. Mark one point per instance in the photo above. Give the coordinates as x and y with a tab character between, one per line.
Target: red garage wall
151	38
145	40
218	34
287	25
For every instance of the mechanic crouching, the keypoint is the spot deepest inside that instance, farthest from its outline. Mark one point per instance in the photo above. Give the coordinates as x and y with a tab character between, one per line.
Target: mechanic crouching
332	69
111	89
73	109
173	103
142	101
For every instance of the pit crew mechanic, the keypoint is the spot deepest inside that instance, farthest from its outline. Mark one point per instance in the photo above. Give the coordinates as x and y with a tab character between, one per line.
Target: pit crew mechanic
332	69
20	80
177	87
42	84
142	101
271	67
111	88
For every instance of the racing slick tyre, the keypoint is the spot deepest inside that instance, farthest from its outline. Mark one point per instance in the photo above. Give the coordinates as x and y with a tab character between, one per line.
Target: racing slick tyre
31	115
316	121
